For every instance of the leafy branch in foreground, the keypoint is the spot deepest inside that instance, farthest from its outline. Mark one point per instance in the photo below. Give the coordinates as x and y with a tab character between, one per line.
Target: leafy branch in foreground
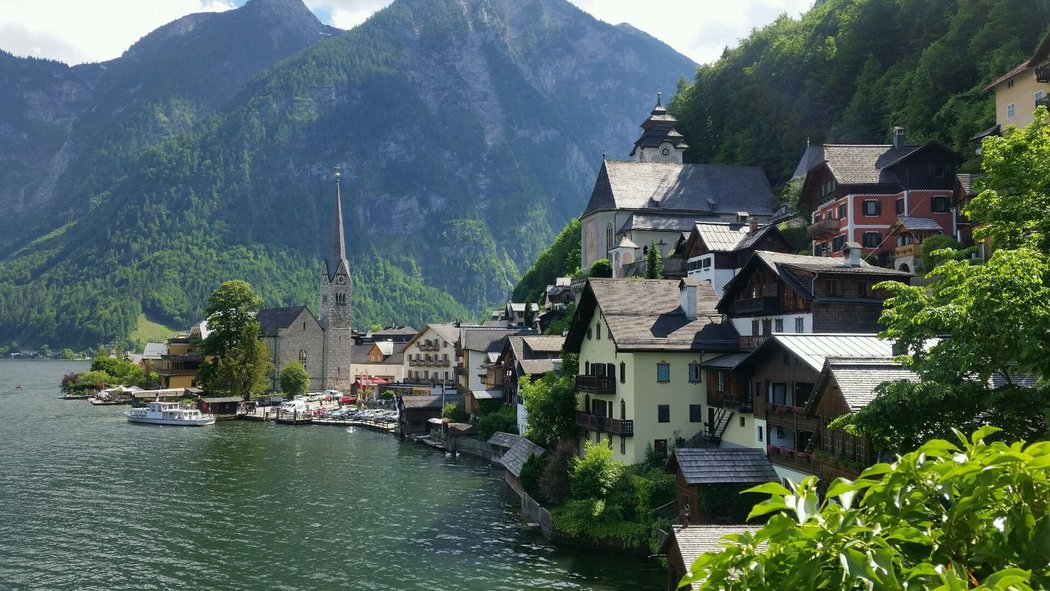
965	515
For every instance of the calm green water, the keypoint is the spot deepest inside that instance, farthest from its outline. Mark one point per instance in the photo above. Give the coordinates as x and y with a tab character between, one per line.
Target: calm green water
88	501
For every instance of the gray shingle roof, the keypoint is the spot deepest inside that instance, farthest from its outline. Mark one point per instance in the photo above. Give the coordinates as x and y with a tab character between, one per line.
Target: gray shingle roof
272	319
488	339
729	361
518	454
646	314
430	401
667	222
859	164
720	236
694	540
857	378
544	343
724	465
154	350
710	189
965	182
502	439
535	367
914	223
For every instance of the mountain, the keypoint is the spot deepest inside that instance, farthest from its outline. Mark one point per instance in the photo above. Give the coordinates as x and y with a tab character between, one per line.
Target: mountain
465	132
848	71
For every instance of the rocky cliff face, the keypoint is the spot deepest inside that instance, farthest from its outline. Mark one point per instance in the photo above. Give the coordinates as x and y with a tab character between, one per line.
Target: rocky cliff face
466	131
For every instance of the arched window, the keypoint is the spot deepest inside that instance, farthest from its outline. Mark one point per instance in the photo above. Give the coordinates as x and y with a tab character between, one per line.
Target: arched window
609	237
623	373
302	356
623	410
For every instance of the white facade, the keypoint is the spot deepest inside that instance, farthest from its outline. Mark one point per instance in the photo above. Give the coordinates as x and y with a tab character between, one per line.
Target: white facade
779	323
702	268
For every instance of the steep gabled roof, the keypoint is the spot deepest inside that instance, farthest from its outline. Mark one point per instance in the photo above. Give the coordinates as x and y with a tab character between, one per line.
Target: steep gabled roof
694	540
856	379
514	459
814	349
645	315
273	319
446	331
707	189
490	340
543	344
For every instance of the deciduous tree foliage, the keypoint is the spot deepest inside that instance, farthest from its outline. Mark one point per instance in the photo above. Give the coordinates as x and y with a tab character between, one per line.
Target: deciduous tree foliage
551	405
236	361
295	380
967	514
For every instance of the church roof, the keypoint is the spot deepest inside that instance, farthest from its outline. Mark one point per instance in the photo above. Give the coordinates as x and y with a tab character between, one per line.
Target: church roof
659	128
336	252
668	187
272	319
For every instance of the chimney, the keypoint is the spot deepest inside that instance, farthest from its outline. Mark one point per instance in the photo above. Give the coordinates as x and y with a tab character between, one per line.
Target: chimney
851	255
687	298
752	224
898	138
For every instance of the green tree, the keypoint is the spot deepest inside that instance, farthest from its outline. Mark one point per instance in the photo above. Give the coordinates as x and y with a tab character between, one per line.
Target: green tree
551	405
455	412
601	268
654	262
67	353
236	361
593	475
964	515
45	350
295	380
119	371
530	315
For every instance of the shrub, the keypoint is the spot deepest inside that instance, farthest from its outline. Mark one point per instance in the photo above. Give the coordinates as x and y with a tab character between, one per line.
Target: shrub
504	418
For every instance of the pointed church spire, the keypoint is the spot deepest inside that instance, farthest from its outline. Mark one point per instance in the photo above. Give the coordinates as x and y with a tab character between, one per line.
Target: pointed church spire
336	252
658	102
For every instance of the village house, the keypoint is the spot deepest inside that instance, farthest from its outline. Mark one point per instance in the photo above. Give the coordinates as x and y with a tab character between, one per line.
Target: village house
378	360
531	355
716	251
182	358
1021	90
654	198
477	348
640	345
430	356
855	193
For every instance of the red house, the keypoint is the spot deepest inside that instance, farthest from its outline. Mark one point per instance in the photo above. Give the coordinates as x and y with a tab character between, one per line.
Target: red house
855	192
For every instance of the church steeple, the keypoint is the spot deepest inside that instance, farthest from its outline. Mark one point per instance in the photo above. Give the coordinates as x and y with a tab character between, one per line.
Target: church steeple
336	252
660	141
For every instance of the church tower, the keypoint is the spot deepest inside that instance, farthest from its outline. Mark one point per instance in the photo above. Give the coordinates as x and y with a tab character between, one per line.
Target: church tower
336	314
660	141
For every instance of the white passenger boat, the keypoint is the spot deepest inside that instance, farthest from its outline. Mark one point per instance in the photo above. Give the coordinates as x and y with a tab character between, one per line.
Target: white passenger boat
169	413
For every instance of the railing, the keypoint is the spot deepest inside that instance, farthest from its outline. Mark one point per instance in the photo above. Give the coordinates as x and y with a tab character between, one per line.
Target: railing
426	347
794	459
908	250
792	417
731	401
822	228
596	384
591	422
767	305
1042	73
752	341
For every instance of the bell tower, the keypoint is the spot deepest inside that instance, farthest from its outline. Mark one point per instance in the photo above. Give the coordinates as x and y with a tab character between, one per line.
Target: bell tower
660	141
335	309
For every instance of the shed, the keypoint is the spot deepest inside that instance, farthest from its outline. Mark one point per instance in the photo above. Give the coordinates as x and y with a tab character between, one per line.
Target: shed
708	482
220	406
686	543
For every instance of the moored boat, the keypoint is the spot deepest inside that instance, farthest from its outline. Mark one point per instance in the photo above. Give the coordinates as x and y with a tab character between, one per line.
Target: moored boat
169	413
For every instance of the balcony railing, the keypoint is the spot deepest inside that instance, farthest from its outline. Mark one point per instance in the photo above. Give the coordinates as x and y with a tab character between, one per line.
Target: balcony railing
791	417
794	459
729	401
426	347
596	384
1042	73
768	305
822	228
591	422
908	250
752	341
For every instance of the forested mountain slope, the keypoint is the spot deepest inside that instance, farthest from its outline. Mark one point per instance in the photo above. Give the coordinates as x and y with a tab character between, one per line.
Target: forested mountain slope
464	130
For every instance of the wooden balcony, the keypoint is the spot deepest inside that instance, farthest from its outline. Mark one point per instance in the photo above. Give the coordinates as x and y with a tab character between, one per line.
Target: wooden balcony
908	250
591	422
750	342
596	384
1042	73
794	459
730	401
791	417
767	305
823	229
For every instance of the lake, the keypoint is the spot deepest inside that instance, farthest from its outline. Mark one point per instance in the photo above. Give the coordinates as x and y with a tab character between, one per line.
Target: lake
89	501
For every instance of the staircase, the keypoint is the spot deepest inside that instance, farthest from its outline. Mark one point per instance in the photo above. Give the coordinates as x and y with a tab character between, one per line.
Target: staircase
722	417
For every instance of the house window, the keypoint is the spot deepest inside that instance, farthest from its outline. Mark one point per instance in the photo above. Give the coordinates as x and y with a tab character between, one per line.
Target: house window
743	421
838	243
340	299
760	432
660	446
767	327
609	237
939	204
1011	111
800	324
598	331
695	413
663	413
842	211
623	372
871	207
1038	95
302	357
778	325
1009	83
694	373
663	372
779	394
862	289
872	239
898	207
588	333
754	328
818	217
623	410
828	187
721	380
833	287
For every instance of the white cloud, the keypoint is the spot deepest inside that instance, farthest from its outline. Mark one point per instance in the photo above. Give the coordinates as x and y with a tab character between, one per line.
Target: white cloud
98	30
82	31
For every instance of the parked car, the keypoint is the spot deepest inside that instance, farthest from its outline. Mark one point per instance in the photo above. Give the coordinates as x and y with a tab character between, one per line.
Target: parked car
347	399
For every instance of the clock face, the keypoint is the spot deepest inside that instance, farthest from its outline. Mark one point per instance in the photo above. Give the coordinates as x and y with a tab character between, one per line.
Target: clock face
341	280
665	152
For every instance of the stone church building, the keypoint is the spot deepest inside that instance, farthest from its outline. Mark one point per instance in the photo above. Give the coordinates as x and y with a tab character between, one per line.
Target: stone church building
323	344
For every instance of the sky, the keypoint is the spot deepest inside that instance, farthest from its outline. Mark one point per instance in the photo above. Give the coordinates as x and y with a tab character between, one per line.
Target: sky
82	31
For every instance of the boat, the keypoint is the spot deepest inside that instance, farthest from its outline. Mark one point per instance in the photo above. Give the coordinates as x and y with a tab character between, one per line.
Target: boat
169	413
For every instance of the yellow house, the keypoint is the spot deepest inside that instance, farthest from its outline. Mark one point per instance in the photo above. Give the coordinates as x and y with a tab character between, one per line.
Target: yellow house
1018	92
640	345
180	362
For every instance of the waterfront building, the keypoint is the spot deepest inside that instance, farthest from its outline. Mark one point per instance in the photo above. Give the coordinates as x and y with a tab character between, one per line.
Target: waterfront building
654	198
379	359
685	543
293	334
709	482
430	355
640	345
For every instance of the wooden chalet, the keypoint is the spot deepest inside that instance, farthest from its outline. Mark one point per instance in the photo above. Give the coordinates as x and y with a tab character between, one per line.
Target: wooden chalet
723	473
